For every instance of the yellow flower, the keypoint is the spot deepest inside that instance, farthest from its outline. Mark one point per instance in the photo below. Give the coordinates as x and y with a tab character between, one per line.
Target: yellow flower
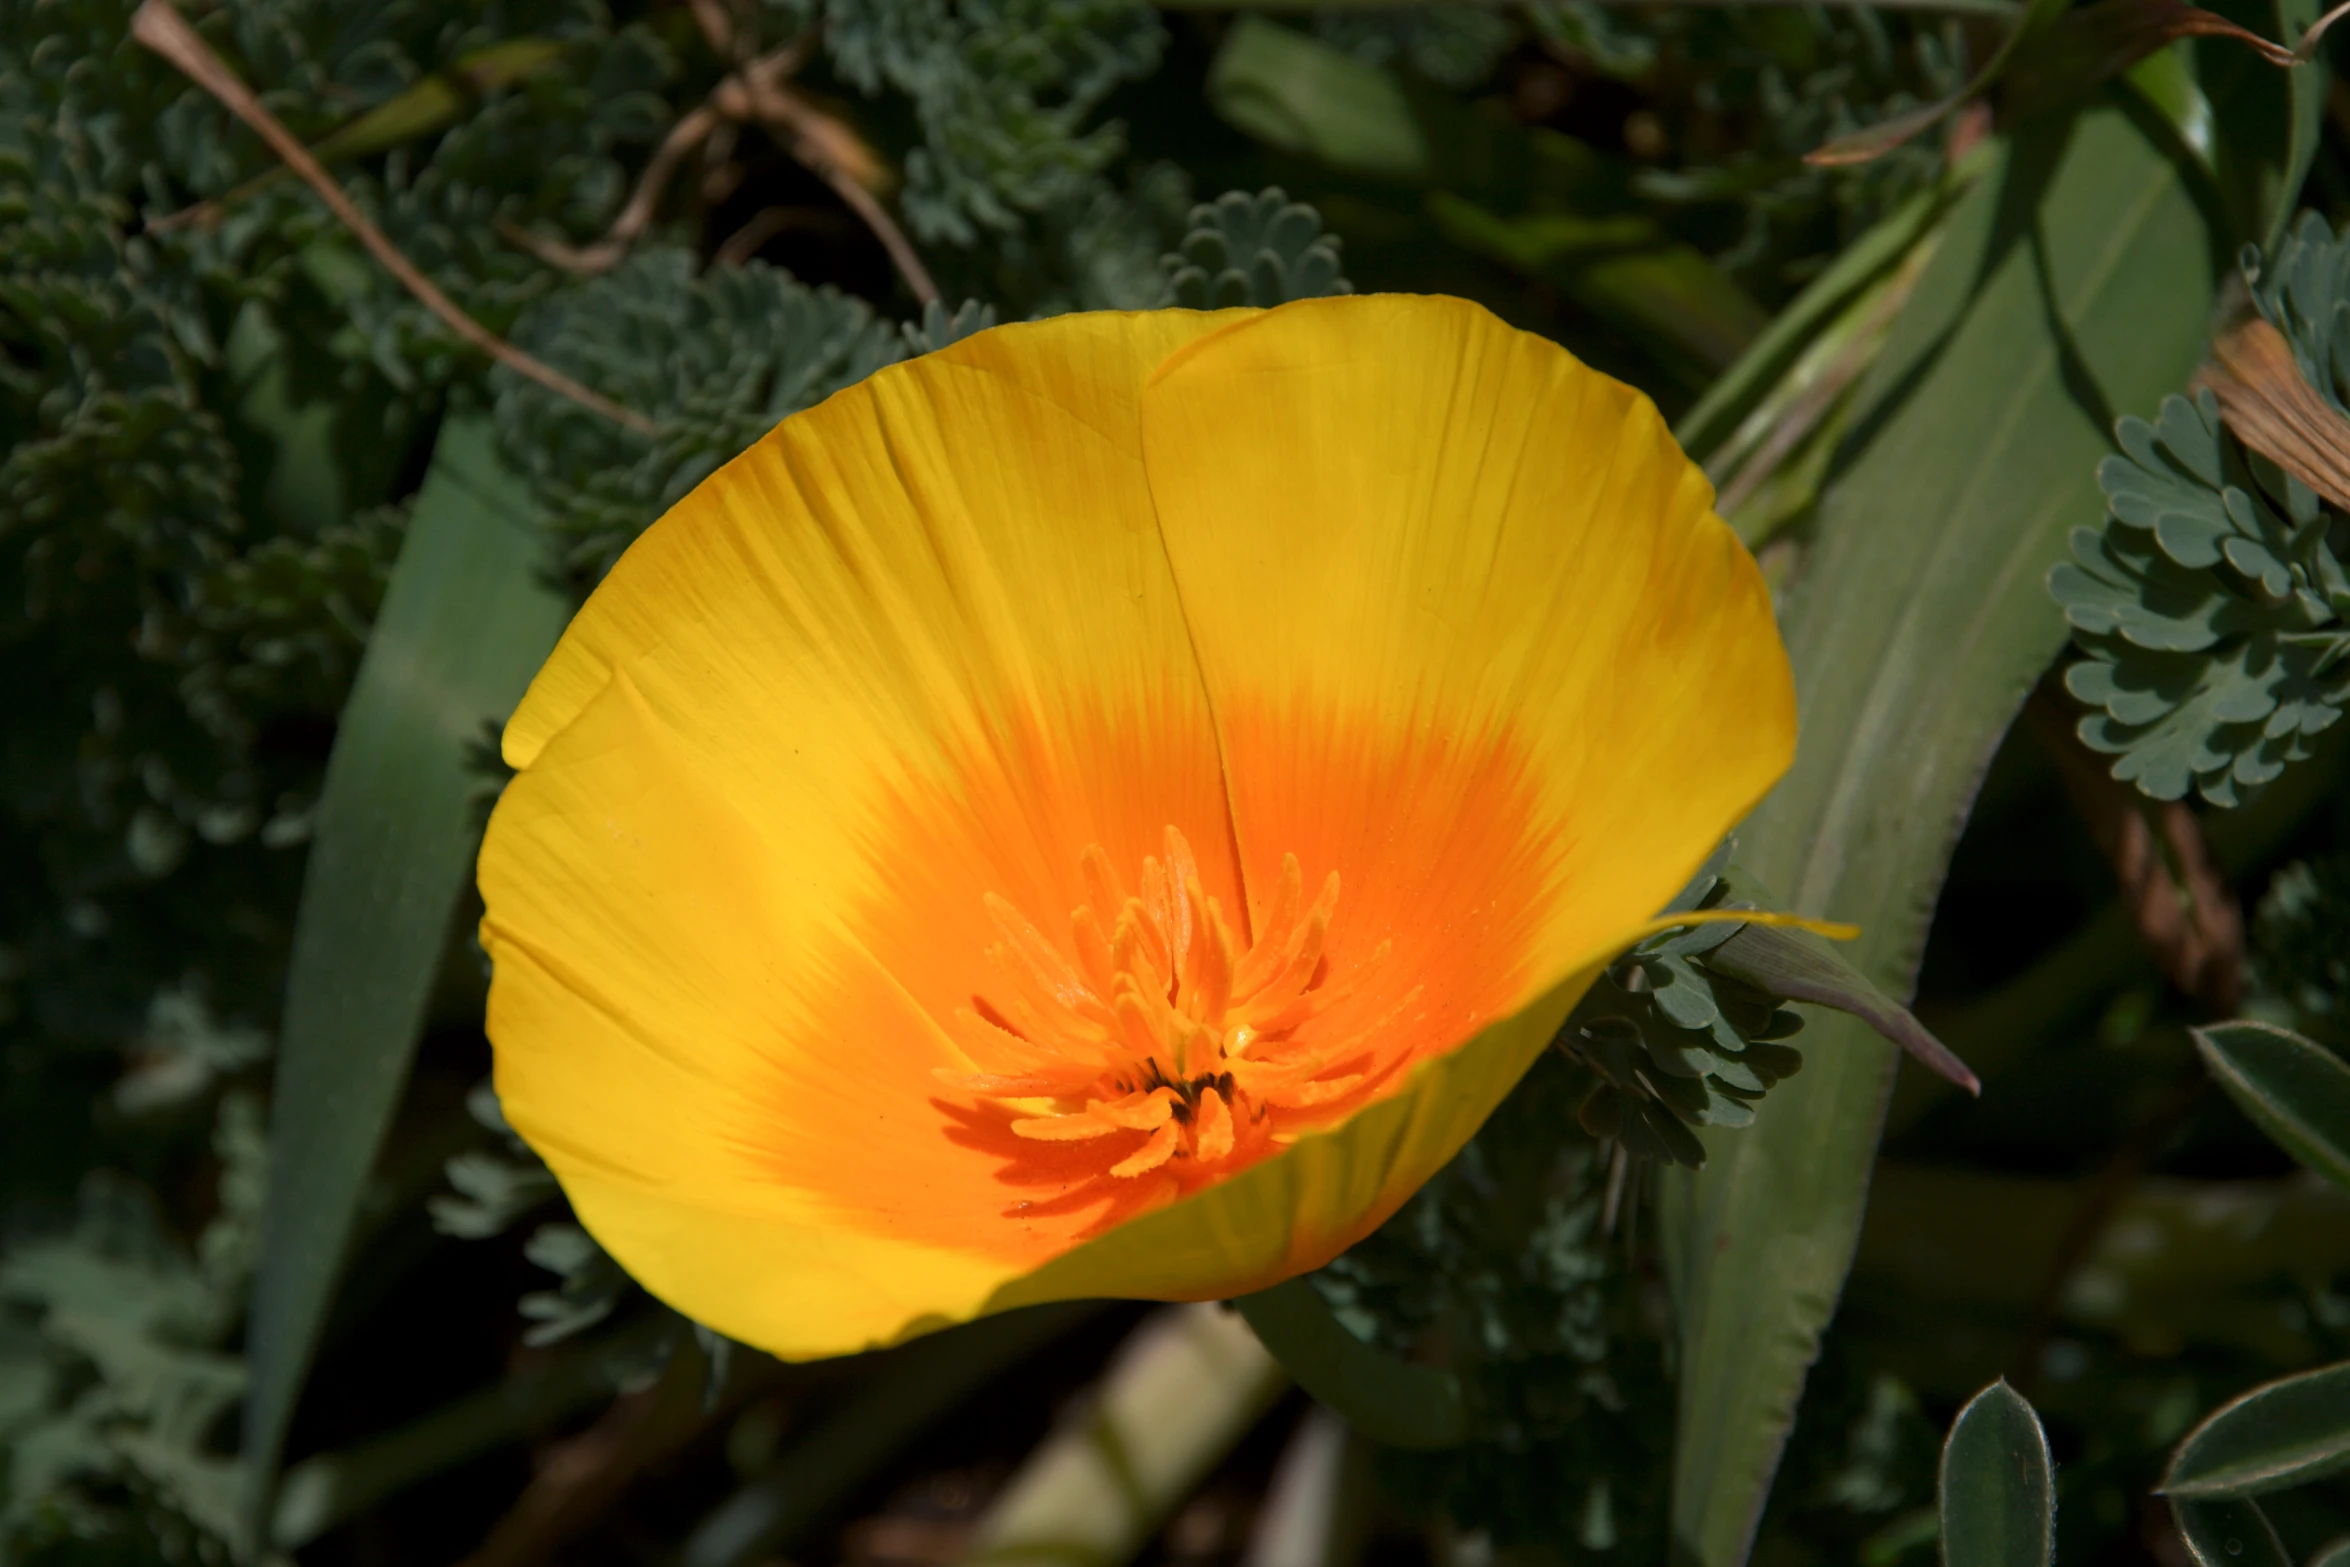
1107	808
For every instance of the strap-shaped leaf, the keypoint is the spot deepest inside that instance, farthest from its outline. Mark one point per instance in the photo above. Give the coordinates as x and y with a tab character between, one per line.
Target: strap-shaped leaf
1998	1490
2297	1090
1390	1401
1974	446
467	618
2278	1435
2229	1533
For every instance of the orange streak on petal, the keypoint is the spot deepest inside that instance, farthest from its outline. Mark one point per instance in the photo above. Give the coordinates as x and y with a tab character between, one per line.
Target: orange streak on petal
1445	882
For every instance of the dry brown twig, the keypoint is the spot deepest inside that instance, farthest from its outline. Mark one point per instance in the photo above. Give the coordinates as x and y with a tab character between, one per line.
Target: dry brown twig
756	92
828	150
160	28
2307	48
716	20
688	133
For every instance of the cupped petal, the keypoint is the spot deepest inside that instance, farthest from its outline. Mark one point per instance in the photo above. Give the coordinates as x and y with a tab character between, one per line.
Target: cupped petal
1370	596
1475	640
1471	631
915	650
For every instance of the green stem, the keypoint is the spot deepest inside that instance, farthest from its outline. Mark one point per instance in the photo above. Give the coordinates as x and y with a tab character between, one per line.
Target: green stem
1388	1400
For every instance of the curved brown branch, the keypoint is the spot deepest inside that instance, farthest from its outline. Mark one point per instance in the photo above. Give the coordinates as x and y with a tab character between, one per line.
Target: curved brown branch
160	28
690	131
759	92
829	150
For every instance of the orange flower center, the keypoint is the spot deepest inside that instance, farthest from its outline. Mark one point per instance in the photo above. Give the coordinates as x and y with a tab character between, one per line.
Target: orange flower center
1166	1024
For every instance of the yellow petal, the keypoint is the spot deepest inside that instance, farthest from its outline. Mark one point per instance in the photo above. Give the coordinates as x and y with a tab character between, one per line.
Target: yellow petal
1473	636
916	647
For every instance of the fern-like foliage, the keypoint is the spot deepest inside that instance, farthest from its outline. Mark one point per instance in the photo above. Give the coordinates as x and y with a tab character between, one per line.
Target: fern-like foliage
202	428
1253	250
1503	1260
2213	608
2210	611
1003	91
714	359
496	1188
113	1381
1672	1042
940	326
1742	96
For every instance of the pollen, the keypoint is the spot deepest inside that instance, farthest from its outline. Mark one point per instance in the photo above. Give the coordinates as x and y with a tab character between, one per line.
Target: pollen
1159	1033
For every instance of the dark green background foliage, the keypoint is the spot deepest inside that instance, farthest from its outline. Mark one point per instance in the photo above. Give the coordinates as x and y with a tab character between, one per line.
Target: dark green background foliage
217	413
1507	1259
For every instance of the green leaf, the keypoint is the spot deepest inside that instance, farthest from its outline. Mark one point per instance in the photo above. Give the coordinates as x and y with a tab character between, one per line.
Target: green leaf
1998	1490
1735	393
2265	120
2298	1091
2300	285
2204	610
1672	1041
2073	279
2278	1435
1390	1401
467	619
2229	1534
2336	1554
1801	967
1301	96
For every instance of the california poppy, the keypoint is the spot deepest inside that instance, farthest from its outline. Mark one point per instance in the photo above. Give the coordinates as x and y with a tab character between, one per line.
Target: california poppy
1107	808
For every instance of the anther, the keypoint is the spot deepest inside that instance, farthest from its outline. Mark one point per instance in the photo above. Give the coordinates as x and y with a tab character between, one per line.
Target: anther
1163	1027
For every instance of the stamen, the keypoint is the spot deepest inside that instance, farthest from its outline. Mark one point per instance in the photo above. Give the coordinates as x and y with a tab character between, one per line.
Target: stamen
1158	1020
